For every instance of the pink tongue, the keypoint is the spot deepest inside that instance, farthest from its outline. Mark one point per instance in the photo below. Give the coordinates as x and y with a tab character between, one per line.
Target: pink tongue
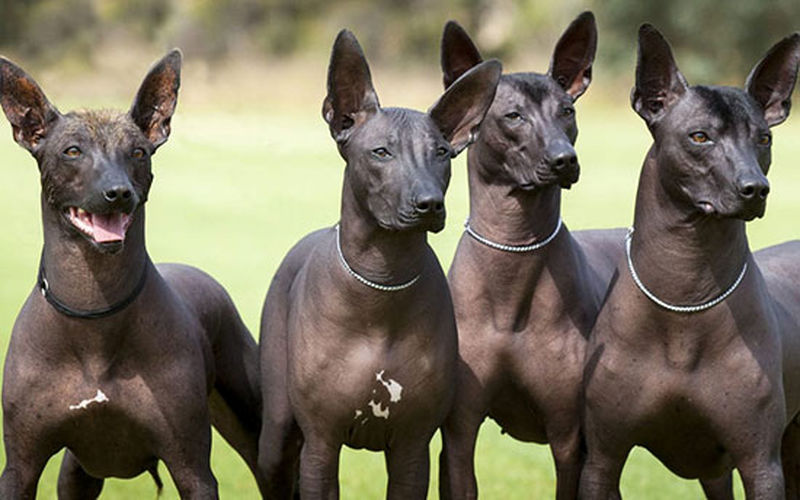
109	227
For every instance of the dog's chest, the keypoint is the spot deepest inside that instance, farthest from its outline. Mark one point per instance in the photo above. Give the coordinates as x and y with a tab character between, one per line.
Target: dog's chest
371	393
687	397
112	426
112	414
378	409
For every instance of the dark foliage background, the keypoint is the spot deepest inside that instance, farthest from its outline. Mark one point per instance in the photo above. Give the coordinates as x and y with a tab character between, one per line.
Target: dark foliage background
715	40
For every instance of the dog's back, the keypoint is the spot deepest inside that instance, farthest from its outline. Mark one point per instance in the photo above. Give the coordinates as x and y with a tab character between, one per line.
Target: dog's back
780	265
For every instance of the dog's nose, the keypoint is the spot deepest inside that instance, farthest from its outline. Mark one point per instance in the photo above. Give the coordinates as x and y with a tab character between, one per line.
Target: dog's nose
563	160
754	189
117	193
429	204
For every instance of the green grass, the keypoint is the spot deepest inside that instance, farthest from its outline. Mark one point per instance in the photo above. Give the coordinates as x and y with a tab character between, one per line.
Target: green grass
234	191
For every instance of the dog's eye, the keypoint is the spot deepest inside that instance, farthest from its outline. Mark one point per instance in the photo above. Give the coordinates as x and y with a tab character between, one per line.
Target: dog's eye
765	140
137	153
381	153
513	116
568	111
72	152
699	137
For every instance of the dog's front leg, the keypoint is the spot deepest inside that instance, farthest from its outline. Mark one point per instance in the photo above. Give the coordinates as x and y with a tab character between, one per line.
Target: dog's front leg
601	472
763	479
194	482
408	466
278	458
187	461
790	458
460	428
21	473
457	458
319	469
566	449
74	482
720	488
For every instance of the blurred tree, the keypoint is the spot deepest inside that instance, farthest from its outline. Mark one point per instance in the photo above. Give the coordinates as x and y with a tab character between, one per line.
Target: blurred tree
714	41
12	12
49	29
142	17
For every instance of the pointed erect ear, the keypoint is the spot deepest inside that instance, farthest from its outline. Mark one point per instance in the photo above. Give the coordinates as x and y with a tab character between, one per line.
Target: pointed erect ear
772	80
573	56
25	105
459	54
461	109
658	82
157	98
351	97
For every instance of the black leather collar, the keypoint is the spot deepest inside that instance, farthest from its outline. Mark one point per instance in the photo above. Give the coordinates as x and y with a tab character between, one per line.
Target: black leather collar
64	309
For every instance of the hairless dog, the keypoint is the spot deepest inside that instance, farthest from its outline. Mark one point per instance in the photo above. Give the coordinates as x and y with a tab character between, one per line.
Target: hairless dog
358	338
525	290
121	362
695	354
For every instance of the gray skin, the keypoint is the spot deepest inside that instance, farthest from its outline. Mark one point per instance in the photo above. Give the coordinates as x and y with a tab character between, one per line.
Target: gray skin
326	338
172	362
524	318
710	391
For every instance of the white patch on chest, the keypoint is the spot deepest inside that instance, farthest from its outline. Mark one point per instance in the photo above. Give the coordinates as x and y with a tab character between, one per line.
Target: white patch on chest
377	410
358	414
395	389
98	398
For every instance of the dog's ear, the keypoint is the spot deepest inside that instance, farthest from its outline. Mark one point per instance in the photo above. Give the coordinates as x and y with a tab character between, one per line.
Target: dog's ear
573	56
351	98
459	54
659	83
157	98
460	110
772	80
30	113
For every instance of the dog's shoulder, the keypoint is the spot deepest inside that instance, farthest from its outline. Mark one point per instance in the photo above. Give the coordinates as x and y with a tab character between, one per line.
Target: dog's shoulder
301	252
201	293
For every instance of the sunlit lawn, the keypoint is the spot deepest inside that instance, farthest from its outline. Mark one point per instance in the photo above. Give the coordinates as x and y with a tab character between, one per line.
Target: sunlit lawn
234	191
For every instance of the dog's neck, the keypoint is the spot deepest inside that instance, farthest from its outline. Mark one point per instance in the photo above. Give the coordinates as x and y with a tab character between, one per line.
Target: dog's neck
82	277
380	255
518	218
683	257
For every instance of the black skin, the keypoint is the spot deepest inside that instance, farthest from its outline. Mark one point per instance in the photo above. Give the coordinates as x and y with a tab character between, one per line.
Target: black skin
524	318
325	337
720	389
175	360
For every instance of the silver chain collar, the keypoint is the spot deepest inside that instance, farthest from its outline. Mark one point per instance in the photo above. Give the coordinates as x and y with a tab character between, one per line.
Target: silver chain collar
365	281
512	248
671	307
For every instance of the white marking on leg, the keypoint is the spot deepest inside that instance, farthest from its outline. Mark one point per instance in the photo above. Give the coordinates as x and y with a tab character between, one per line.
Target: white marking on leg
377	410
98	398
395	389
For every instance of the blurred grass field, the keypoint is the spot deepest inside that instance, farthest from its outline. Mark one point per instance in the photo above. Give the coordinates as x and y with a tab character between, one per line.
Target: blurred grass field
237	184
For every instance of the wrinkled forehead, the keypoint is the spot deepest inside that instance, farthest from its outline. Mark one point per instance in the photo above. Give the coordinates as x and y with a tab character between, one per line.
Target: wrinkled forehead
724	108
401	125
528	88
103	128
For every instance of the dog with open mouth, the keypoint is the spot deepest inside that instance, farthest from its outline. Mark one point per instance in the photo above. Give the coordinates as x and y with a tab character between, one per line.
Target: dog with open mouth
121	362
